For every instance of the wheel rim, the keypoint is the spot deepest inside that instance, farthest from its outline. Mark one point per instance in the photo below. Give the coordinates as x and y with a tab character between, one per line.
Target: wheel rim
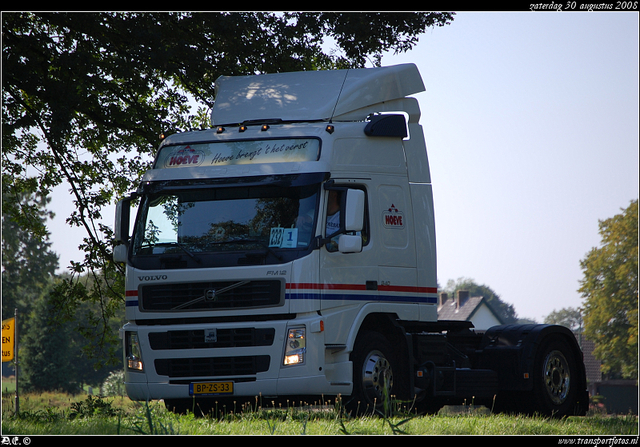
557	377
376	376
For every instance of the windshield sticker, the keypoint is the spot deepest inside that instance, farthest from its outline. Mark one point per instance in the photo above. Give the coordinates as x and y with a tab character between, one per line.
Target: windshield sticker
283	238
238	152
185	156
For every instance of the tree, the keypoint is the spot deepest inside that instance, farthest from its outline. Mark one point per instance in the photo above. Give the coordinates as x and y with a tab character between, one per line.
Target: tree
28	264
54	351
45	352
86	97
569	317
506	311
610	290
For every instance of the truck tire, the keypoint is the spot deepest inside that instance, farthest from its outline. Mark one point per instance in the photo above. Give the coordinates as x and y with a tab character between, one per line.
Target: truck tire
374	364
555	379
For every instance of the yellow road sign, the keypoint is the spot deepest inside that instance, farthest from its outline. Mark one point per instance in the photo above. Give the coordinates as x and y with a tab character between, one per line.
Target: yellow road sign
8	339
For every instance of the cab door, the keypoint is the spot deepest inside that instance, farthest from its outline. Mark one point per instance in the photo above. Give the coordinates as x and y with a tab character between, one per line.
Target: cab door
348	278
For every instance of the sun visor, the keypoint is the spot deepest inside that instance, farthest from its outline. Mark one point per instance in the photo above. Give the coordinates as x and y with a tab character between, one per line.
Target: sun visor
310	95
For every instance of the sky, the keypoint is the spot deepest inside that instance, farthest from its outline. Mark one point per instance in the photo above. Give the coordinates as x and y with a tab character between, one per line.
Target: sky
531	124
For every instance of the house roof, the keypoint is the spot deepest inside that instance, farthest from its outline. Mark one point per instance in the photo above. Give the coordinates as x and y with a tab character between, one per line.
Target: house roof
450	310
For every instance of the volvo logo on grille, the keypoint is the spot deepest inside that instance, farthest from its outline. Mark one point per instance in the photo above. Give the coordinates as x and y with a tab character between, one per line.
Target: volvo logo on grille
210	295
210	336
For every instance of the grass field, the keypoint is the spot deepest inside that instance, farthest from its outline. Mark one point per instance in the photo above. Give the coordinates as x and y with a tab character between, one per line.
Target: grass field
63	414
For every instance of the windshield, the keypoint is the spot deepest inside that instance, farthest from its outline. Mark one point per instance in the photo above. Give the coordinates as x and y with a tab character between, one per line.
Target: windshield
193	222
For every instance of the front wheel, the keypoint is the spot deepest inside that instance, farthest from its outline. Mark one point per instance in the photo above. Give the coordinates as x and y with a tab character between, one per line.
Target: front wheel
374	364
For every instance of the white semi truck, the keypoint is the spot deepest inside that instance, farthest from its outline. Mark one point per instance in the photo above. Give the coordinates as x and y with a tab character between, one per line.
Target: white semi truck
289	251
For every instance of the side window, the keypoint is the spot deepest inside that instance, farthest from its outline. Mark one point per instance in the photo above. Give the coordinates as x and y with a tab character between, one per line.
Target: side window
336	203
333	218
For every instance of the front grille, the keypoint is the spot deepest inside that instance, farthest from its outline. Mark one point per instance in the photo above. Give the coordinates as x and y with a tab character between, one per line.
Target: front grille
211	295
226	338
212	367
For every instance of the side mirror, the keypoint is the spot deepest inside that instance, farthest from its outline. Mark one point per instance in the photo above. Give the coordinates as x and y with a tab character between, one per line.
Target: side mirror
348	243
120	254
121	229
121	224
354	210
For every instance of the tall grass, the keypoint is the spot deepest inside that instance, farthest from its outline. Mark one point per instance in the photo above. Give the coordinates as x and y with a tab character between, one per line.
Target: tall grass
62	414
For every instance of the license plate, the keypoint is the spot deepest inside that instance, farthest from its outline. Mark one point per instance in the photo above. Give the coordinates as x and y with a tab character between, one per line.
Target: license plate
210	388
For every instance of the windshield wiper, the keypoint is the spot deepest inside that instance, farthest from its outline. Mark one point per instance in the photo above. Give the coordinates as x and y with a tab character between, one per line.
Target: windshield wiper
217	292
252	241
182	247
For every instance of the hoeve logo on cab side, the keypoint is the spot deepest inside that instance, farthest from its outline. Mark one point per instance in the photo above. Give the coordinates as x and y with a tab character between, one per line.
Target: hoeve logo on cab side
393	218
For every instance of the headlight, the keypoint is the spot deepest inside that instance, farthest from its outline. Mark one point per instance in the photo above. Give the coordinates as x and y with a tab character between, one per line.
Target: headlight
133	351
295	347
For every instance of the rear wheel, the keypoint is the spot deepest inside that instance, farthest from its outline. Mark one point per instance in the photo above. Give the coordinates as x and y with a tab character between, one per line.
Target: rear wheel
556	379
